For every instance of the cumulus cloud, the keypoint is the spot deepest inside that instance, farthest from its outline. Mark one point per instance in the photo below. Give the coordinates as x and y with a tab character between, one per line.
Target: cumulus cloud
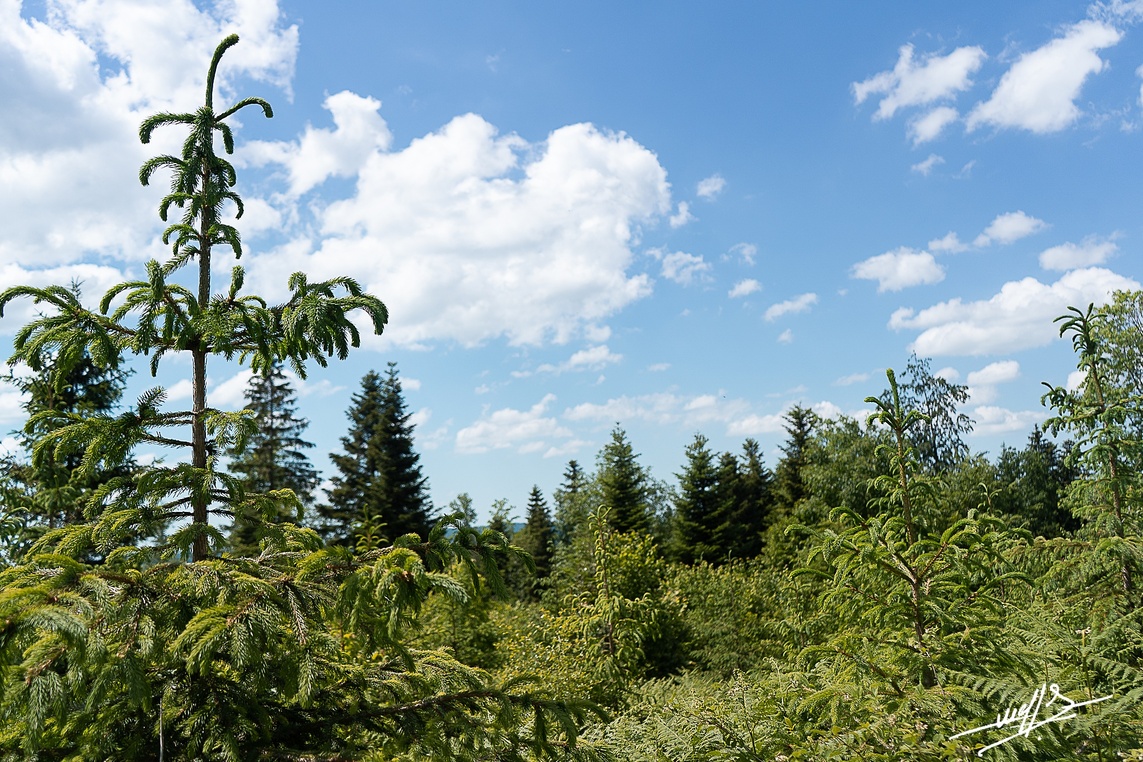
932	124
668	408
592	358
358	133
81	79
915	83
710	187
926	166
682	217
1019	317
744	288
523	430
989	420
680	267
1069	256
982	383
949	243
1010	227
745	251
786	337
469	235
1038	92
852	378
900	268
791	306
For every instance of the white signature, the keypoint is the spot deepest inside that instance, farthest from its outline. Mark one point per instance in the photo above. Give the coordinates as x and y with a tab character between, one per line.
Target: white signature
1027	713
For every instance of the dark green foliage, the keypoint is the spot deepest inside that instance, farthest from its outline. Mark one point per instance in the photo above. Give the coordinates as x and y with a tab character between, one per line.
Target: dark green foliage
789	484
274	455
536	538
573	503
1034	483
623	484
699	506
52	491
380	483
746	491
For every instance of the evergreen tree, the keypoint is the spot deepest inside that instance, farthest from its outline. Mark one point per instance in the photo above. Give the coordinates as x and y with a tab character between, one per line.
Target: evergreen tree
273	457
52	491
746	487
573	503
380	479
165	649
1035	483
698	506
536	538
789	483
623	484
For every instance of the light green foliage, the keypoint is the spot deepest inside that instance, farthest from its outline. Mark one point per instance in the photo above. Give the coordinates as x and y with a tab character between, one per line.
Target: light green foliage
170	650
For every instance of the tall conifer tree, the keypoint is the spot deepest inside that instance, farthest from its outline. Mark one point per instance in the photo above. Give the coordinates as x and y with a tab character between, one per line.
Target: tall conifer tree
380	482
790	486
274	456
536	538
623	483
698	507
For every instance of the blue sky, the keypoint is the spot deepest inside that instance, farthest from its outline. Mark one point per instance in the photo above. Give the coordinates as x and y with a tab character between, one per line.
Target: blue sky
676	217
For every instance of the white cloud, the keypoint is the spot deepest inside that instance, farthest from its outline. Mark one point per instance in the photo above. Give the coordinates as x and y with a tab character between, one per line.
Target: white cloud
421	417
746	251
680	267
230	393
786	336
683	216
410	384
950	243
81	79
1075	380
1009	227
467	235
11	402
359	132
990	420
932	124
925	167
664	408
1019	317
1038	92
852	378
744	288
995	373
710	187
773	423
912	83
898	269
10	447
982	383
659	367
592	358
1069	256
949	374
524	430
791	306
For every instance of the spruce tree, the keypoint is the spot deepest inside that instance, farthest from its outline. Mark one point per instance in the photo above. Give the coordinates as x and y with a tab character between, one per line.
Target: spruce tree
623	484
53	491
274	455
380	481
698	508
789	483
573	503
536	539
167	650
746	500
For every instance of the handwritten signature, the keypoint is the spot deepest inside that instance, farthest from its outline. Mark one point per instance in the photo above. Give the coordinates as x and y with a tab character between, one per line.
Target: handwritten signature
1028	713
